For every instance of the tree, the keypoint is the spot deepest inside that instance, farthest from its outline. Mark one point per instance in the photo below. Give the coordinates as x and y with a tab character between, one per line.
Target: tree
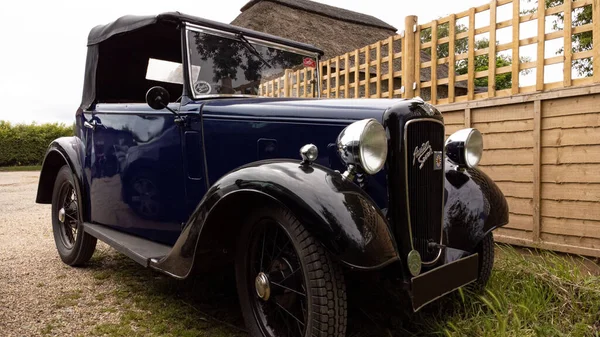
503	81
580	42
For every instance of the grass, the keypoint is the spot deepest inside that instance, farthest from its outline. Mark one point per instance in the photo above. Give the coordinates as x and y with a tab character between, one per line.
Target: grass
539	294
150	304
20	168
542	294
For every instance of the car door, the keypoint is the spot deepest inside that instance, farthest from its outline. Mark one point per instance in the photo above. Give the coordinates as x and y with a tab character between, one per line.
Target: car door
136	170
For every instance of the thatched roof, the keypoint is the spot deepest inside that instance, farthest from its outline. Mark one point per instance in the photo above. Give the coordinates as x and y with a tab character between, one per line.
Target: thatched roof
334	30
328	11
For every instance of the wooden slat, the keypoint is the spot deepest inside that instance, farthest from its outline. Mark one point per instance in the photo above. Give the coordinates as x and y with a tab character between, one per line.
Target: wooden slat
451	61
305	73
592	243
571	173
390	67
417	61
572	192
471	56
356	73
565	137
571	121
500	233
337	76
367	73
346	75
454	117
539	72
580	228
520	190
564	106
515	47
504	126
501	113
434	37
585	154
520	222
410	50
510	173
328	81
512	140
468	118
492	52
378	69
582	210
537	149
596	35
561	247
511	157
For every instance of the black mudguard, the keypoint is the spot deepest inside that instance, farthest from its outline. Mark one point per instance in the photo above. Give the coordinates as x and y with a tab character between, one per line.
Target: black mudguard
474	207
62	151
336	212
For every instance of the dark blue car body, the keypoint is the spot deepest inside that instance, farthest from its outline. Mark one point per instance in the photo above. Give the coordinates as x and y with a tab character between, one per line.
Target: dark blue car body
176	179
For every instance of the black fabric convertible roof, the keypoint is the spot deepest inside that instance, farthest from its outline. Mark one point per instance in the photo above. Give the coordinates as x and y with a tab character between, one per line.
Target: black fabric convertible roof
131	22
120	46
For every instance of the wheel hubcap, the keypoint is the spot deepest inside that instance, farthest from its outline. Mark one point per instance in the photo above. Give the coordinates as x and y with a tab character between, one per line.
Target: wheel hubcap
61	215
263	289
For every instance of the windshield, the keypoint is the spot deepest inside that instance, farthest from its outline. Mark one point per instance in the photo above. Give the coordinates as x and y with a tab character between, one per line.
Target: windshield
236	65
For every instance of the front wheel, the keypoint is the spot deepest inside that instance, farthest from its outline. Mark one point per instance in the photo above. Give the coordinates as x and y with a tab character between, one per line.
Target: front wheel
485	249
74	246
287	283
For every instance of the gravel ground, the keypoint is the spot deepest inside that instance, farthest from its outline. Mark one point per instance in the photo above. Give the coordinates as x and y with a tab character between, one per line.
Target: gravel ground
39	295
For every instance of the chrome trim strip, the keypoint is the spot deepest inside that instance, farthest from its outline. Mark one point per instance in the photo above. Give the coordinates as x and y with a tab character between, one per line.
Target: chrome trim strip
406	184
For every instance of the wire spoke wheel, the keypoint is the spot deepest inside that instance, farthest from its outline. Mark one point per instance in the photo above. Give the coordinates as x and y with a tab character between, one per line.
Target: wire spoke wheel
280	300
287	282
75	246
68	214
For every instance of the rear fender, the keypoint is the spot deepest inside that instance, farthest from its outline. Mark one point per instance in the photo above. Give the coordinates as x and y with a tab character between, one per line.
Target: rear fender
474	207
335	211
62	151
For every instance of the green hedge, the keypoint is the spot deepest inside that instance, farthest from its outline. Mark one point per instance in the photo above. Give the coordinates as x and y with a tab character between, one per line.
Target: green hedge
25	144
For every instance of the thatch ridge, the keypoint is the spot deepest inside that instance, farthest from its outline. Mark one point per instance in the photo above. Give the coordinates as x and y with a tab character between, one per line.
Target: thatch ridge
328	11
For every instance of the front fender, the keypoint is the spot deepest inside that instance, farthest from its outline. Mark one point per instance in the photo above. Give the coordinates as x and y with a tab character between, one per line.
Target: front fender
336	212
474	207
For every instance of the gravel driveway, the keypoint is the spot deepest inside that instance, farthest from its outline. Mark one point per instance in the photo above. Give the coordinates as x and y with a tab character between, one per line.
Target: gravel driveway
41	296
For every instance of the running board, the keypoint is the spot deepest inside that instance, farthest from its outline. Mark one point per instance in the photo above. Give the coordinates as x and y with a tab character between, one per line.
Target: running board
139	249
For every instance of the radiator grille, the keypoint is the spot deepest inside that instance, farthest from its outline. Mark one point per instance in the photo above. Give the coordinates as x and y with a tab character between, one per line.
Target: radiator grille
424	143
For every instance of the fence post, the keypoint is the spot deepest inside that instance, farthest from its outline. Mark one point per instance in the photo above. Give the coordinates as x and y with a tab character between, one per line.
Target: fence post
408	56
596	34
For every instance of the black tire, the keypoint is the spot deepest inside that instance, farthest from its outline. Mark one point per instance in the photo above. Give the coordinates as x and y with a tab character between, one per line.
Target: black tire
323	310
485	249
74	246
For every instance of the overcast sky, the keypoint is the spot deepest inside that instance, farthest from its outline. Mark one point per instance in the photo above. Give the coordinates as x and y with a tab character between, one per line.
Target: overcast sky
43	42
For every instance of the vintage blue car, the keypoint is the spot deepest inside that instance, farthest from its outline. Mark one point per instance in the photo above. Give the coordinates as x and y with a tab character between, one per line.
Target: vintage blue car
180	165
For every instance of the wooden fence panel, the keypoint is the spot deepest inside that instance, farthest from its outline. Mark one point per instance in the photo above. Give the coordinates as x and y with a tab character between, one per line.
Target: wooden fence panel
541	139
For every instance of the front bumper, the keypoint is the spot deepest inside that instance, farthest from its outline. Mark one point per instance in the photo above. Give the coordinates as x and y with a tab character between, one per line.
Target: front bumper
442	280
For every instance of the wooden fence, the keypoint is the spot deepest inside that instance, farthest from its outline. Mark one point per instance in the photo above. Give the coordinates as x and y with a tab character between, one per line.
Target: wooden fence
542	140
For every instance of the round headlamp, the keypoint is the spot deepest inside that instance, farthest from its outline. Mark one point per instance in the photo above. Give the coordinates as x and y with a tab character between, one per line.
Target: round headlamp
363	143
465	147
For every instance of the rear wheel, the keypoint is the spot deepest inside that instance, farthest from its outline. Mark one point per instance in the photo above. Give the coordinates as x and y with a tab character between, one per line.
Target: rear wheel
74	246
287	283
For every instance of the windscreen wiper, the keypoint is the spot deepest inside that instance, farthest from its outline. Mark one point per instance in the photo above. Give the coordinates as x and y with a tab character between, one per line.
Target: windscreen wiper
253	50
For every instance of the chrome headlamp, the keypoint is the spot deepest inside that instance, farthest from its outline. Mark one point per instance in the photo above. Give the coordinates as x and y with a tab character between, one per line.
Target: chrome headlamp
363	144
465	147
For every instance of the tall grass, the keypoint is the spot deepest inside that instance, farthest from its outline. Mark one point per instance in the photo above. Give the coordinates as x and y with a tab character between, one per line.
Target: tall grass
529	294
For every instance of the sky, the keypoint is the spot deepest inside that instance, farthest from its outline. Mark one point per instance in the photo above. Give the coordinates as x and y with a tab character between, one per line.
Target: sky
43	43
